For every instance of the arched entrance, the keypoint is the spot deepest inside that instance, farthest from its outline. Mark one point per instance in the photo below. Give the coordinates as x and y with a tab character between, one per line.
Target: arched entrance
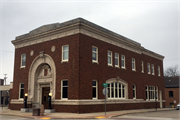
41	81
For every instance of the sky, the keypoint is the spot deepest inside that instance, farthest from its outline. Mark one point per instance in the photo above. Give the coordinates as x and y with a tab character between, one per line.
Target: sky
152	23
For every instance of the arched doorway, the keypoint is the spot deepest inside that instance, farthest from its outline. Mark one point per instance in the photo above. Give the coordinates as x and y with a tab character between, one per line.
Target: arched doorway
41	81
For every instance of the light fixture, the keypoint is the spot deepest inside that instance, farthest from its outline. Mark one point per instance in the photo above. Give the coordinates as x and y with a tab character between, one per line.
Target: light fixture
26	94
50	94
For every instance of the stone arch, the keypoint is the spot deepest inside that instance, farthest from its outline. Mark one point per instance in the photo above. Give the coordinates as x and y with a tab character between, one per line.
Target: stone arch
37	63
121	81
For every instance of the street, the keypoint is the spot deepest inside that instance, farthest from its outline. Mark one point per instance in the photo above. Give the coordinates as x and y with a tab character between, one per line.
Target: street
160	115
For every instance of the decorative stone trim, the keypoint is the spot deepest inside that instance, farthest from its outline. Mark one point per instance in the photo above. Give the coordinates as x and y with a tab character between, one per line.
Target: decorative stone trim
53	48
32	53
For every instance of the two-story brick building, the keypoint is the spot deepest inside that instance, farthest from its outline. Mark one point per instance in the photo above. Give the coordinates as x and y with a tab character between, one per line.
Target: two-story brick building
73	59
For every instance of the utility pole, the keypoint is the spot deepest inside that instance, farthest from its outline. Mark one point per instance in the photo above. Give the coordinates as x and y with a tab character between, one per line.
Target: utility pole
5	78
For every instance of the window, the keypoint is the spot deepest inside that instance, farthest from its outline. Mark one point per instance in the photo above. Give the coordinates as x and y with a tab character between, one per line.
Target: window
64	89
142	66
159	74
45	72
116	90
94	89
110	58
152	69
157	93
65	53
147	93
171	94
133	64
21	90
122	61
94	54
134	91
23	60
151	92
116	60
148	68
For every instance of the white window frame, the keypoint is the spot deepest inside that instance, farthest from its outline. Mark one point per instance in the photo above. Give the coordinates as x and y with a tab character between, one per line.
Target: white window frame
22	60
122	88
109	64
96	52
147	91
117	59
96	89
149	68
151	93
20	91
152	69
159	72
123	60
134	91
62	89
133	64
142	66
65	60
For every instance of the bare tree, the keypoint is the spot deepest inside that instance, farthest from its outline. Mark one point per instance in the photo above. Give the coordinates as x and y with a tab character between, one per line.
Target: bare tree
171	71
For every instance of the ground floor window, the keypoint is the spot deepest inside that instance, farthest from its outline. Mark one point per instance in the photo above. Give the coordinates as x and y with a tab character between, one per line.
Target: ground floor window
64	89
21	90
170	93
116	90
151	93
94	89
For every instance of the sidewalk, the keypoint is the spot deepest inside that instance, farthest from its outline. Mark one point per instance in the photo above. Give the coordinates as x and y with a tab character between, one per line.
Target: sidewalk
6	111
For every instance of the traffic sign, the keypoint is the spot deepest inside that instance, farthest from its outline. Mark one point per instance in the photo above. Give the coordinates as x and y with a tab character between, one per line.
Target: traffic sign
105	91
105	85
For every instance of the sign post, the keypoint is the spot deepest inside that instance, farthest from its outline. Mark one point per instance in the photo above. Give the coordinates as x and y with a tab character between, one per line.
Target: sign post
105	92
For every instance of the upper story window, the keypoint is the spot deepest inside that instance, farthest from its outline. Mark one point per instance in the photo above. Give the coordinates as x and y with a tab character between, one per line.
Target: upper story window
64	89
94	54
134	91
142	66
159	74
133	64
116	90
65	53
148	68
94	89
152	69
123	61
23	60
116	60
21	90
171	94
110	58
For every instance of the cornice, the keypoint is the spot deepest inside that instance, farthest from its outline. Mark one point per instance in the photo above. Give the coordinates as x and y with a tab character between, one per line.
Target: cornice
85	29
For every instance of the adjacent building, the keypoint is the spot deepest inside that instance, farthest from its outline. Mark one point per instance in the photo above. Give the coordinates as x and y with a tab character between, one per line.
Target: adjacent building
171	85
73	59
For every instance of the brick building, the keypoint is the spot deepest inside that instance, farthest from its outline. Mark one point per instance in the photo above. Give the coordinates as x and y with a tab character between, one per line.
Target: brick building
171	85
73	59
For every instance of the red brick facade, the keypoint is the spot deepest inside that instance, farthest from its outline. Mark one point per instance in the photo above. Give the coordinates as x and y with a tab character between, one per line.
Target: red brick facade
80	71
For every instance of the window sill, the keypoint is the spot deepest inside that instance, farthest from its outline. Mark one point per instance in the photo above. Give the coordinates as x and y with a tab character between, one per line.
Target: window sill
117	67
142	72
152	74
65	61
22	67
95	62
94	98
64	98
123	68
133	70
110	66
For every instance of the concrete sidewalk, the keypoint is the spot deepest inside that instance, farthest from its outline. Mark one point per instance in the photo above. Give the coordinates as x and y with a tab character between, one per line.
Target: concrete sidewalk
6	111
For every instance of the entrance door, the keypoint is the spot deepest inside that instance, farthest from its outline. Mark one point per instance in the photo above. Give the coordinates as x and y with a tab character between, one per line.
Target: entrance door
45	94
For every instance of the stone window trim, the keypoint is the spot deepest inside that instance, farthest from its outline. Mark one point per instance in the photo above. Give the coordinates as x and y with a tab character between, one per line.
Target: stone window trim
134	91
142	66
20	91
124	62
109	56
159	73
133	64
96	89
152	69
96	52
62	89
118	80
148	68
116	56
65	60
23	59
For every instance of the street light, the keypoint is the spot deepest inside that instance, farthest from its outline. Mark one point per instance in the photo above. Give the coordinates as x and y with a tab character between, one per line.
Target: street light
50	94
25	100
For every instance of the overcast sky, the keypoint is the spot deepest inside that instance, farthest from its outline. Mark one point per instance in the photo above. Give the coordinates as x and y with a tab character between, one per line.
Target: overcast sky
154	24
